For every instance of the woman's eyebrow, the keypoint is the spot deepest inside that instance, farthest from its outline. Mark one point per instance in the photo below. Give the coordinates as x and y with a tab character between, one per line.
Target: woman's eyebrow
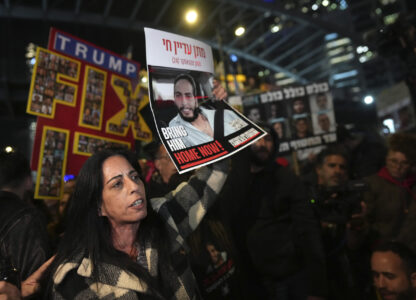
117	176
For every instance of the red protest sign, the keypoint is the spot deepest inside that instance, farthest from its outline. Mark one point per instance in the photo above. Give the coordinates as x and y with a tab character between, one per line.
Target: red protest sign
86	98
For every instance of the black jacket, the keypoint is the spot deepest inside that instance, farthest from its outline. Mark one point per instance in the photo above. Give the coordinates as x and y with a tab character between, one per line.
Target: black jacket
23	238
285	237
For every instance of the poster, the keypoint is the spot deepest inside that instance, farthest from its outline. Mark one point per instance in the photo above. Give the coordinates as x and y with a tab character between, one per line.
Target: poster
301	116
86	99
395	108
195	128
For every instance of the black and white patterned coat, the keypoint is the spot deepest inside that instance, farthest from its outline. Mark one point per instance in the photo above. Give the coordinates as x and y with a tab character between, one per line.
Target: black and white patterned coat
182	210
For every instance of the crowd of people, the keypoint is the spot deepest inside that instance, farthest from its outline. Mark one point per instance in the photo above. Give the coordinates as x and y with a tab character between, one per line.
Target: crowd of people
246	227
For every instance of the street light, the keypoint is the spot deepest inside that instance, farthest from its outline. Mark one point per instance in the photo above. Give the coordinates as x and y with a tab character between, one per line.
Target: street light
8	149
239	31
275	28
191	16
368	99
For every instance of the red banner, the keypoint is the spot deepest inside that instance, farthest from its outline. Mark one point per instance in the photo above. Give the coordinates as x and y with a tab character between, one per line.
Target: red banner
86	99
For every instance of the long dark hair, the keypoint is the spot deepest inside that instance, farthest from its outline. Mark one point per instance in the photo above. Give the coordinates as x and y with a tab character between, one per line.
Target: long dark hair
89	234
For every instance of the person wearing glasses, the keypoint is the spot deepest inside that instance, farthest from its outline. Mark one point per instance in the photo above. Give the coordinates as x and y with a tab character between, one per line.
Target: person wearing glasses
391	197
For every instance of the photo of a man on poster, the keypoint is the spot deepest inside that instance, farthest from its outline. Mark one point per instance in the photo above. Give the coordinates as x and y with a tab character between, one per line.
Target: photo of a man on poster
302	128
201	123
254	114
299	106
323	122
193	119
321	102
280	128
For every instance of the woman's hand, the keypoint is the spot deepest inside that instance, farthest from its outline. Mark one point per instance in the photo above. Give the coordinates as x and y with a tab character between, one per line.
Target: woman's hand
218	91
31	285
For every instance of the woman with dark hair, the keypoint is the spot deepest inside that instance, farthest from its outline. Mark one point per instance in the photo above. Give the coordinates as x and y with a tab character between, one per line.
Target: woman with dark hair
118	244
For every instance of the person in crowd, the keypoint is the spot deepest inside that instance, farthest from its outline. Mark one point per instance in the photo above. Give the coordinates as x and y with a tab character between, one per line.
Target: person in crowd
274	224
122	245
339	209
214	283
23	236
165	178
393	266
366	148
198	121
391	198
332	167
252	85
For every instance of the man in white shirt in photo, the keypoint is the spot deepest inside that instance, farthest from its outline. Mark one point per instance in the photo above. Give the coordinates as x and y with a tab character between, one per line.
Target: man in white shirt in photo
198	121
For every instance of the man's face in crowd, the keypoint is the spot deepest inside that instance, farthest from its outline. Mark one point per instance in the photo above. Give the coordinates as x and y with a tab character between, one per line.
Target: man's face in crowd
164	164
262	150
333	171
185	100
298	107
323	122
397	164
321	101
390	277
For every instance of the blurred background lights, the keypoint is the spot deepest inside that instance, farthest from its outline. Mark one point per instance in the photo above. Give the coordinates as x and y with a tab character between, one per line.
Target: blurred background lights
233	57
325	3
275	28
191	16
362	49
389	123
343	5
368	99
315	7
8	149
240	31
33	61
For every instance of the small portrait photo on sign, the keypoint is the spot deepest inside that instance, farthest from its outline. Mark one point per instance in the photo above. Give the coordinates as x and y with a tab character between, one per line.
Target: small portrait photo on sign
255	113
301	128
53	156
276	110
321	102
281	128
299	106
323	122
